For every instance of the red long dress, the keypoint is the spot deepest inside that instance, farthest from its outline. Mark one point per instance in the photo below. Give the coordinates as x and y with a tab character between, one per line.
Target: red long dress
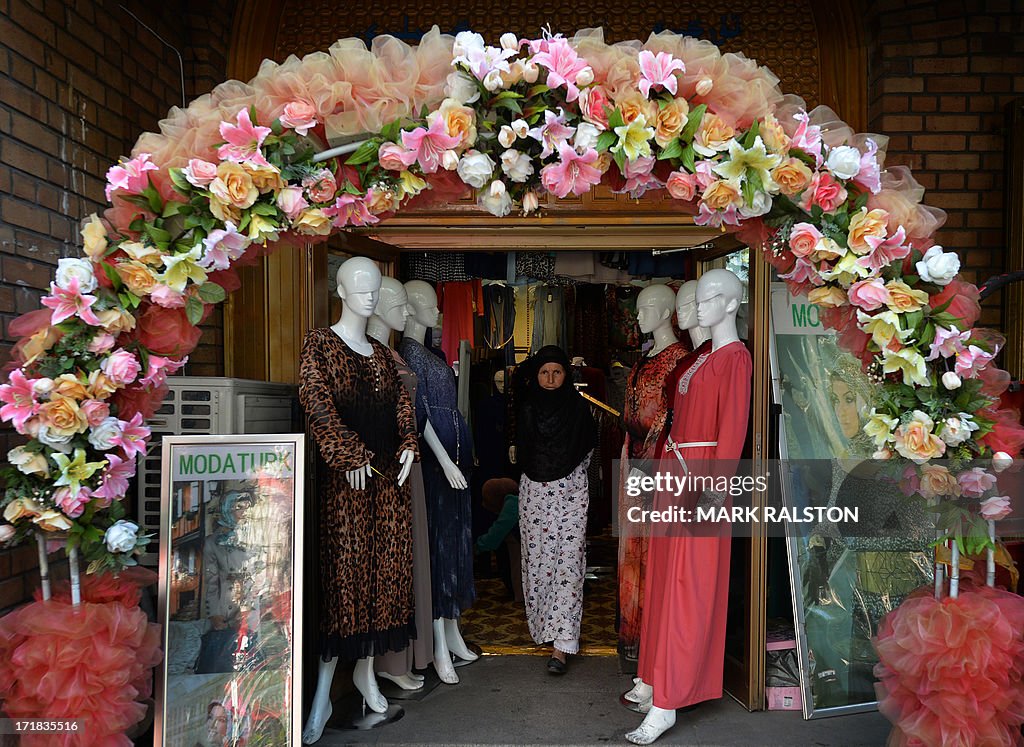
682	638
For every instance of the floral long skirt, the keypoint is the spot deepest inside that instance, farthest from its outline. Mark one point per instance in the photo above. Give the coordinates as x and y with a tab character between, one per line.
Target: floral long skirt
553	526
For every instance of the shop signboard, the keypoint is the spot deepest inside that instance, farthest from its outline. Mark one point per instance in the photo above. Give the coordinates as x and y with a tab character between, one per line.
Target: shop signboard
230	574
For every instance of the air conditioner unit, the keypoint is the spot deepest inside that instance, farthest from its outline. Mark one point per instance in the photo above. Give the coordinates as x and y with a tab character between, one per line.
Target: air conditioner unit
198	405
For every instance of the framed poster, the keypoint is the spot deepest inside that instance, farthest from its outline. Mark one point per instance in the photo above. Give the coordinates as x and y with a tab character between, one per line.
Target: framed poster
230	570
844	577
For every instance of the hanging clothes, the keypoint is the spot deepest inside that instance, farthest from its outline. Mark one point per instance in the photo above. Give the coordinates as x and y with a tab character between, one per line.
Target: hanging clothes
535	265
459	302
435	267
549	327
500	320
623	332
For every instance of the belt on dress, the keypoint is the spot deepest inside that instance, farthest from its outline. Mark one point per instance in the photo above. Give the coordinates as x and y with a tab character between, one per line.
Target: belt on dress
676	447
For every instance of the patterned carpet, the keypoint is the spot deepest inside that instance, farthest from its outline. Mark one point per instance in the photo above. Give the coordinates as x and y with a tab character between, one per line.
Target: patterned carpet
498	624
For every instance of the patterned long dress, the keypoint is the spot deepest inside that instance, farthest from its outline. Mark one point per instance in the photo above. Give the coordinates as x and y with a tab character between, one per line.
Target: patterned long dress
365	535
645	410
449	517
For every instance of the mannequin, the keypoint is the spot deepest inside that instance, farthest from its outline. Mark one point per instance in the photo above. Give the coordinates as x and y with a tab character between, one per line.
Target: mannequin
686	314
391	314
344	375
448	502
645	410
688	575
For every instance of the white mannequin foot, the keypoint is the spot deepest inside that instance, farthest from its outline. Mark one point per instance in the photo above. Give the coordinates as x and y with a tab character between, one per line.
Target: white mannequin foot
415	676
366	684
454	639
656	723
641	691
320	711
404	681
442	656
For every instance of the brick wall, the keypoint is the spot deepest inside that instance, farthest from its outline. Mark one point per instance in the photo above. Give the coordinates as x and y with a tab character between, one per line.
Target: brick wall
940	77
81	80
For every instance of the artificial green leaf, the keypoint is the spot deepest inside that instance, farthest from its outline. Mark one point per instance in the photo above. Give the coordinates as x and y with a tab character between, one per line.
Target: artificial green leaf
693	122
748	140
391	131
158	235
913	318
537	90
264	208
211	293
181	184
194	310
364	153
620	160
688	158
673	150
748	192
615	119
155	202
112	275
507	95
510	104
606	140
861	201
942	307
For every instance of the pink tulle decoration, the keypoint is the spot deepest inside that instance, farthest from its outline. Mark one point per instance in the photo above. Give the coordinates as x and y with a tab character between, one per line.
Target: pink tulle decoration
951	671
92	662
901	196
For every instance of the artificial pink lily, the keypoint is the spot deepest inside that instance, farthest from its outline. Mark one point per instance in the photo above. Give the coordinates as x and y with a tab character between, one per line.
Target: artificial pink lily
563	65
552	133
20	399
869	175
971	360
708	217
243	140
427	146
640	177
657	71
948	342
572	173
807	137
159	369
884	251
803	271
115	479
130	176
349	210
134	437
223	246
69	302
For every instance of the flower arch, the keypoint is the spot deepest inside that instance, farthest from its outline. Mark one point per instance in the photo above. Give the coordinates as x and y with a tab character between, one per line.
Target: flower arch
241	172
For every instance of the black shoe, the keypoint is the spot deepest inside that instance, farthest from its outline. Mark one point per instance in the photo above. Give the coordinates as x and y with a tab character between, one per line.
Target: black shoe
557	667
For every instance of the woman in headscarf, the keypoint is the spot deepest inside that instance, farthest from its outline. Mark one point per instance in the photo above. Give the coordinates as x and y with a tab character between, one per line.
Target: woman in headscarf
555	433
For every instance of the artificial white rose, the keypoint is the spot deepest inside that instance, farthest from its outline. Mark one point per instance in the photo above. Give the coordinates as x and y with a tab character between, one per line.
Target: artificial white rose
844	161
493	81
585	137
121	536
530	202
951	380
496	201
28	462
465	42
517	166
54	441
938	267
461	88
104	436
509	41
506	136
42	386
81	269
449	160
760	205
585	76
475	168
1001	461
956	430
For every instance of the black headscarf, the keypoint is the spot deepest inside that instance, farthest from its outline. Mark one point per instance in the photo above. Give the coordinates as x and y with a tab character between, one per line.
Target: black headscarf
555	429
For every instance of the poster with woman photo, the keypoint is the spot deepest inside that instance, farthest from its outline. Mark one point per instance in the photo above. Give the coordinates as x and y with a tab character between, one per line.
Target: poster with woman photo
847	576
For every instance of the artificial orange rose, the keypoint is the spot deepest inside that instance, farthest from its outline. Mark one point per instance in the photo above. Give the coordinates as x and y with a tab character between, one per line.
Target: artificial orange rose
100	385
94	238
792	176
721	195
63	416
19	508
264	178
52	521
774	137
136	276
34	346
713	135
936	480
225	212
381	200
459	121
828	296
633	106
915	440
234	186
68	385
904	299
670	122
603	162
865	224
116	321
138	251
313	222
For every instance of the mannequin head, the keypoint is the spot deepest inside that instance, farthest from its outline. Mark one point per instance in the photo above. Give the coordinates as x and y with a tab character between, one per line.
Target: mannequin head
359	282
654	307
422	303
718	295
686	305
393	304
499	381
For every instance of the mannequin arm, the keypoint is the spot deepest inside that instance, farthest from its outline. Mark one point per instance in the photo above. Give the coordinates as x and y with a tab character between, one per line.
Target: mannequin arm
451	470
406	459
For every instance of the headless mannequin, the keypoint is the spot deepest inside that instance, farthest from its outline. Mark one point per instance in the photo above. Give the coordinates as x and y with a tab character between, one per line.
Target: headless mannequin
718	296
686	317
424	313
391	313
359	283
654	315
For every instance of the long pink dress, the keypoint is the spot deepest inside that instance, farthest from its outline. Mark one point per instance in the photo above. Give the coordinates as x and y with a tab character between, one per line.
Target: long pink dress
682	637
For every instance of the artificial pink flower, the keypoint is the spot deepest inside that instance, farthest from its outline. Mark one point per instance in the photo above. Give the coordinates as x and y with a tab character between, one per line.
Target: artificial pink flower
199	173
682	186
69	302
95	411
349	210
20	400
121	367
995	508
130	176
223	246
884	251
594	106
394	157
134	437
708	217
321	186
975	482
563	65
639	177
572	173
825	192
803	238
803	271
552	133
910	483
159	368
300	116
869	175
72	504
656	71
243	140
807	137
869	294
114	484
970	361
101	343
427	146
166	297
948	342
291	202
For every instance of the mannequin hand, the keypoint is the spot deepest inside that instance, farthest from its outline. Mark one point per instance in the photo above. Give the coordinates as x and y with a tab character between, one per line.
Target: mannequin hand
405	459
454	475
512	454
358	478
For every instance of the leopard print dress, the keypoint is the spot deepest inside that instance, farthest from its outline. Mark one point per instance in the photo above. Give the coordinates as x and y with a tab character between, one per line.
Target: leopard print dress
367	605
